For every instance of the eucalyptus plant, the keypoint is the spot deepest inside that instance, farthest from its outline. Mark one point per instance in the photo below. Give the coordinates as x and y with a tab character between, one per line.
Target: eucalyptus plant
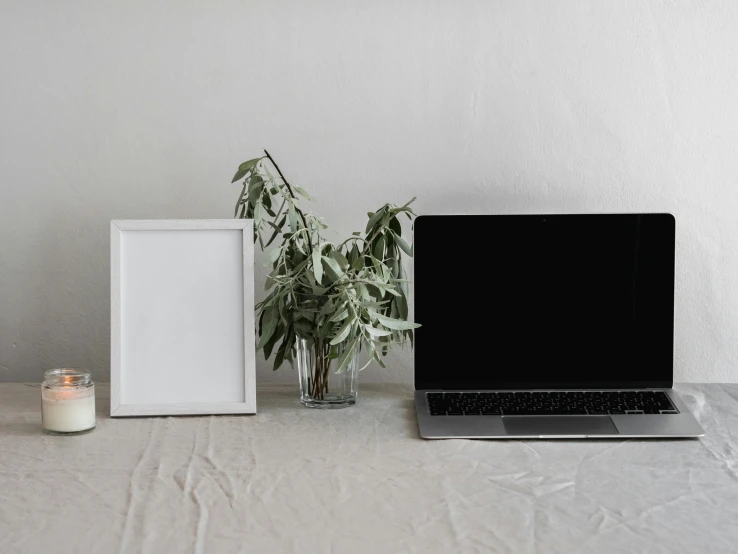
340	297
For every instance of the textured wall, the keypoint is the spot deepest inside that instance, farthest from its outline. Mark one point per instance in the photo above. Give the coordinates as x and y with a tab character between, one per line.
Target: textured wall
143	109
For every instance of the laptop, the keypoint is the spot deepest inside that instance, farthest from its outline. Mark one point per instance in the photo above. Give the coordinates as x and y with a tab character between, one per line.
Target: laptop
546	326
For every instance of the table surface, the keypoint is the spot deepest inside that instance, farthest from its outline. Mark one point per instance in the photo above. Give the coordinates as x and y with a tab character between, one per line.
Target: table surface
358	480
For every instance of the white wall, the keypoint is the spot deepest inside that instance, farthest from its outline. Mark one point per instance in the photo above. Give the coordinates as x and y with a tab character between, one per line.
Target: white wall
143	109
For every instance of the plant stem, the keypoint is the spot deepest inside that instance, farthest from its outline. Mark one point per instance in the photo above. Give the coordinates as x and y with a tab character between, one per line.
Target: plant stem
289	188
318	387
316	373
319	372
326	366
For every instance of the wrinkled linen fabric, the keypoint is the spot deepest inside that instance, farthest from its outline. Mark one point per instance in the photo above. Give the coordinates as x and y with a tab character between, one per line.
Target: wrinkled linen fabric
358	480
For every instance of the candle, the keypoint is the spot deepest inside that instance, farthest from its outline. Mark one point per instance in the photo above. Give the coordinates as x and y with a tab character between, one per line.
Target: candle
68	402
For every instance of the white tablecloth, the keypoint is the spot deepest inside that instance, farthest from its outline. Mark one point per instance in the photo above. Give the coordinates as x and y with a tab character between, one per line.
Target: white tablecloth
358	480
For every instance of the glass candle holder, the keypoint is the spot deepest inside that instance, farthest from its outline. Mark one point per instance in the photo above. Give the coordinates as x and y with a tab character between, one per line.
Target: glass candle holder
67	402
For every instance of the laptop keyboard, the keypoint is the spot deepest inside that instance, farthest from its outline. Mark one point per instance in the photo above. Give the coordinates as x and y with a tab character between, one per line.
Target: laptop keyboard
550	403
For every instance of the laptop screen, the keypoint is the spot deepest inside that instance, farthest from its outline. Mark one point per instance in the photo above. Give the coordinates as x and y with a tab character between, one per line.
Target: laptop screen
544	301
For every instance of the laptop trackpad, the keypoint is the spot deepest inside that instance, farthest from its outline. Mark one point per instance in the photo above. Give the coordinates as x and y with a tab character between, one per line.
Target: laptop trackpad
559	425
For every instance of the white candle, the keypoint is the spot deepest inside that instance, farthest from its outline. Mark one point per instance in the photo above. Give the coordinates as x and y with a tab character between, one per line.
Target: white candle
66	412
68	401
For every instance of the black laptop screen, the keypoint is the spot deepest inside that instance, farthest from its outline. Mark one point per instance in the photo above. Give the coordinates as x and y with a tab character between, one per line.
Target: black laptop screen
544	301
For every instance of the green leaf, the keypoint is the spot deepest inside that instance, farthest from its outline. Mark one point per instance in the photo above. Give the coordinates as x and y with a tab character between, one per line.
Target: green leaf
250	164
269	283
340	258
332	268
293	217
267	199
301	192
343	332
279	358
317	265
303	328
374	305
340	316
256	188
406	248
258	215
273	256
351	254
239	175
330	306
269	345
402	281
240	198
314	287
271	318
396	324
363	293
377	332
346	356
358	263
386	288
373	218
244	168
395	227
402	309
378	359
378	249
277	229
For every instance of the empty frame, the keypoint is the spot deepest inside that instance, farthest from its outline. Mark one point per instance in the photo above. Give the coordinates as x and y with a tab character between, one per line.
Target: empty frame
182	317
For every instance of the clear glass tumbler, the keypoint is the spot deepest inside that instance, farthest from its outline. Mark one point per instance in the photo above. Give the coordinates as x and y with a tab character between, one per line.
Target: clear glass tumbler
320	385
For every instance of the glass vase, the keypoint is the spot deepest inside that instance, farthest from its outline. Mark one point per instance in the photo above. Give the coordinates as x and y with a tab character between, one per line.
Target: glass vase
320	385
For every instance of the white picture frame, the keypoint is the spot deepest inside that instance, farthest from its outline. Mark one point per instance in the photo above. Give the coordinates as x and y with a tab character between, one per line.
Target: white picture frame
182	317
